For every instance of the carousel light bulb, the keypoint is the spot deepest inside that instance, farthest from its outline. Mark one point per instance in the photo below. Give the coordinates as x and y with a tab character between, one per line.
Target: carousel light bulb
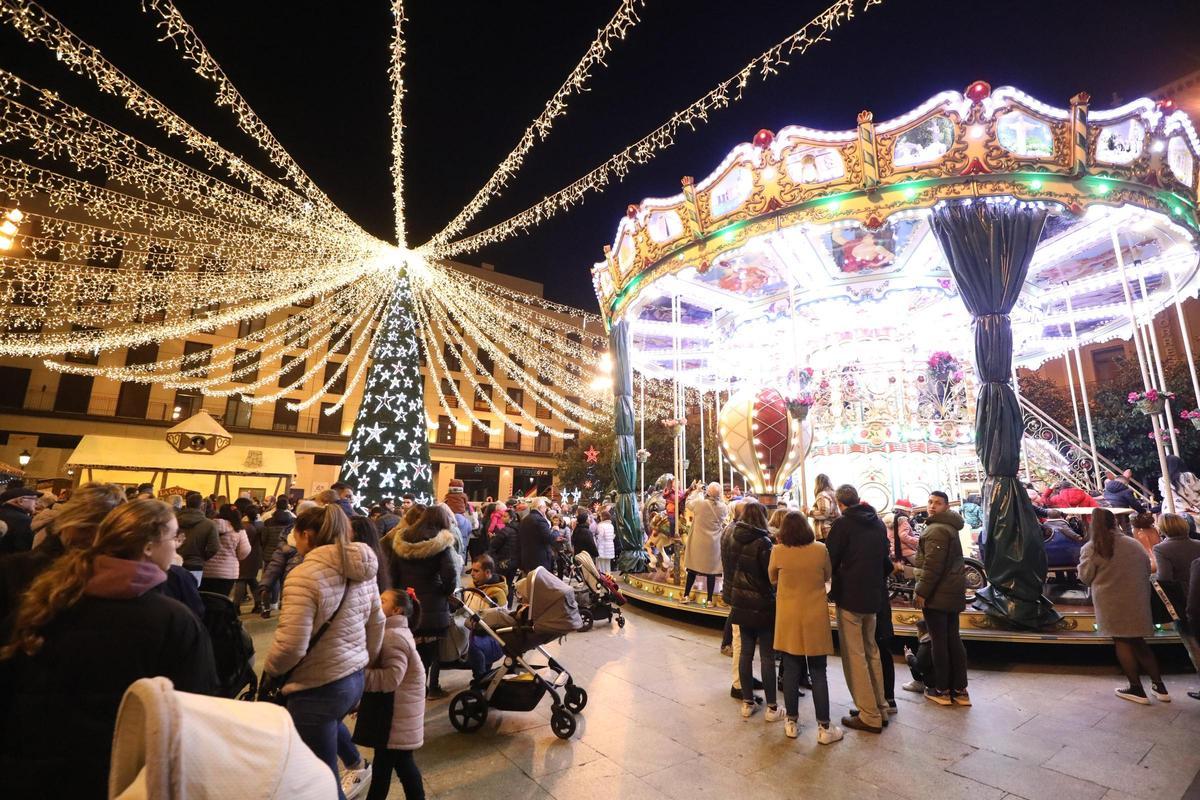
1157	146
976	132
910	193
8	228
1035	185
769	174
5	243
15	215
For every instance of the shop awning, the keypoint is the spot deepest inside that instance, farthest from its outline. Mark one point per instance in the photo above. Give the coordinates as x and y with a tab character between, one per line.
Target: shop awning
119	452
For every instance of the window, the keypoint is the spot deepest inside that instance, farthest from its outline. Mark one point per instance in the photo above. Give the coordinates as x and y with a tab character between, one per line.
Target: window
571	399
544	379
445	433
542	443
102	255
515	401
482	391
73	394
187	403
201	357
338	332
27	294
14	382
248	362
330	423
512	438
209	265
237	411
481	438
92	357
285	419
290	370
1106	363
486	365
339	385
134	398
151	304
541	412
518	364
449	387
570	443
59	441
453	362
297	334
249	327
305	303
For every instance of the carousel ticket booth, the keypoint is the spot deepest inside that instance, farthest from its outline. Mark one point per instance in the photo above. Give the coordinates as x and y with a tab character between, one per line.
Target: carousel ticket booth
195	455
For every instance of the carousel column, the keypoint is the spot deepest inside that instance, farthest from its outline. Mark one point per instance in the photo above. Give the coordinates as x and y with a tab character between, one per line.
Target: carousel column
988	247
1152	336
1183	332
1169	495
626	519
1083	393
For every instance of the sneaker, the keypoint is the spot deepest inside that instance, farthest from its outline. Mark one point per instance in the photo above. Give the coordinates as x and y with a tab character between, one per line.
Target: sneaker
828	734
856	723
960	698
914	686
1194	695
892	709
685	600
791	728
748	709
942	698
774	714
1159	690
1133	695
727	650
356	781
736	694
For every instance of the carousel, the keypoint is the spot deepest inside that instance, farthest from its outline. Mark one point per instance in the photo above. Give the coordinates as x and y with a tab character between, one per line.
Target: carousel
857	303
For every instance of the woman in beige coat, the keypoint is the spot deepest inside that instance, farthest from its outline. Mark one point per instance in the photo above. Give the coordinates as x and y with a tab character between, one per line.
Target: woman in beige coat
800	568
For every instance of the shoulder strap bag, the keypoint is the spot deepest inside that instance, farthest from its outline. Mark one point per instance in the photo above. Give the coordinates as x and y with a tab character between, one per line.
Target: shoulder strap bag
270	688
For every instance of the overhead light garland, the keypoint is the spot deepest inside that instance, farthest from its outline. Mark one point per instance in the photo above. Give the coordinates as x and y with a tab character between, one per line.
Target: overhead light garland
396	75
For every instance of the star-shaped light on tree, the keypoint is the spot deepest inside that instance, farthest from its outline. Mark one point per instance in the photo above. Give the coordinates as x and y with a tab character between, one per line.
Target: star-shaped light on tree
591	454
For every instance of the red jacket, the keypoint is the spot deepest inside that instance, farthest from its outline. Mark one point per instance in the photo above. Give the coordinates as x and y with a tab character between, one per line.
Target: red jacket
1072	497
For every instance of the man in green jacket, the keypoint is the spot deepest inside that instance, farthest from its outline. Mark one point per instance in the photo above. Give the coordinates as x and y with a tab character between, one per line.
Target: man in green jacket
940	594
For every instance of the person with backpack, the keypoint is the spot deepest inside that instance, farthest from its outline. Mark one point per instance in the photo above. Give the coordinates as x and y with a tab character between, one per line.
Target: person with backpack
330	628
391	716
201	540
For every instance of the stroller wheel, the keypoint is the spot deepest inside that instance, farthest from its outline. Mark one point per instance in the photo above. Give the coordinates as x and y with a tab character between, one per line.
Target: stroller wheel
588	620
562	722
620	622
468	711
576	698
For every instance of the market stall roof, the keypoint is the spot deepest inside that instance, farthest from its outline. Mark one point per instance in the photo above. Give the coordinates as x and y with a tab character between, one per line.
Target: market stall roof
118	452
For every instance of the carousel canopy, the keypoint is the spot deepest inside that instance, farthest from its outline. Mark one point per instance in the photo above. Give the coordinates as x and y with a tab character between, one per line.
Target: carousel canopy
814	247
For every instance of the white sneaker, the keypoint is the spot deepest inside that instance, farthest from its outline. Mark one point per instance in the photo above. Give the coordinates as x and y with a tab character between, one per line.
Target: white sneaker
748	709
1160	692
356	781
791	729
774	714
828	734
914	686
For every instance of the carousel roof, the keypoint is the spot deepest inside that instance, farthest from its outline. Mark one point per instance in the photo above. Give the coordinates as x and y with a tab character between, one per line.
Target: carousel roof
815	247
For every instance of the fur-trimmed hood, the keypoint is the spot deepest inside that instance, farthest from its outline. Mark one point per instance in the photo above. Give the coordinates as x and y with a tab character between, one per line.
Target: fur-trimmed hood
426	548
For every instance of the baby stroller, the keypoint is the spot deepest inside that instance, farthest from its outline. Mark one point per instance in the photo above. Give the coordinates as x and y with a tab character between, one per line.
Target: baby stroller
597	594
233	649
904	584
546	611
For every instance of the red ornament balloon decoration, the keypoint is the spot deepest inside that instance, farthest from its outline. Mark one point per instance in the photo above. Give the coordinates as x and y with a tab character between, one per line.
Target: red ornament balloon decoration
763	440
763	138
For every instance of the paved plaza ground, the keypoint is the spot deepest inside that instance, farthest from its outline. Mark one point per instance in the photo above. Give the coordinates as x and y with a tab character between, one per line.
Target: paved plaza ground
660	724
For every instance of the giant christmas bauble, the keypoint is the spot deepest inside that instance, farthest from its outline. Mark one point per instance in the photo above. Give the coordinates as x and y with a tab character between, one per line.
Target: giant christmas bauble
763	440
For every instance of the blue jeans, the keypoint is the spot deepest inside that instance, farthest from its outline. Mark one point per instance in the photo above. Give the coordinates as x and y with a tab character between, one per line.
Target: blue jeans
793	669
482	652
318	716
764	638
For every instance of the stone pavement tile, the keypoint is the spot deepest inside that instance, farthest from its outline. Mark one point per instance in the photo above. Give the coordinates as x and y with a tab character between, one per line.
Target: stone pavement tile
1095	740
702	777
540	752
813	777
632	746
599	778
1116	772
919	780
920	747
489	775
1189	716
1155	722
1016	744
1024	778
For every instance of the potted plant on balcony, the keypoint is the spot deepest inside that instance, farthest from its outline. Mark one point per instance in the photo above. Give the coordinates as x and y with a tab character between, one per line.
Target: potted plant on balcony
1150	402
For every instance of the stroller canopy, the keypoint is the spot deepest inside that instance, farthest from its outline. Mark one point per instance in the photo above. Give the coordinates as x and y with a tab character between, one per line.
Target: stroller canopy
587	568
552	605
233	749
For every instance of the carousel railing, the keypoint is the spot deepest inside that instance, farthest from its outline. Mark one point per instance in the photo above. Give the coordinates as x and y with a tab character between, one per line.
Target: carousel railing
1075	457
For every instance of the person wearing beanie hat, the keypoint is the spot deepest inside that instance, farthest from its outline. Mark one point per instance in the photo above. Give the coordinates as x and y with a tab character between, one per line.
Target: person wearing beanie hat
464	513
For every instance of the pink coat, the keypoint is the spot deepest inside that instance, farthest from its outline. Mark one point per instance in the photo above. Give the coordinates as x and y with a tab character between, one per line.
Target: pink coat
234	547
398	670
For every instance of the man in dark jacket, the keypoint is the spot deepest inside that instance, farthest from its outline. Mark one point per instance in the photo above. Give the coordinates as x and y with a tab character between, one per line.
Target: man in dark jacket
858	553
535	539
941	595
201	540
16	511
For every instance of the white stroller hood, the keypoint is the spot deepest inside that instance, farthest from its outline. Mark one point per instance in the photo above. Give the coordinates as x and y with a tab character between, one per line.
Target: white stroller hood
250	751
552	605
591	575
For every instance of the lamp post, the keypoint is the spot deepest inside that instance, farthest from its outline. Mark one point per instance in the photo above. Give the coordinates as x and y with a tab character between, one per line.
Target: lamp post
24	459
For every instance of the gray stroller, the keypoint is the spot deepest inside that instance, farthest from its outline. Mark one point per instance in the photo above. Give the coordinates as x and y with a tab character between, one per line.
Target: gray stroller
546	611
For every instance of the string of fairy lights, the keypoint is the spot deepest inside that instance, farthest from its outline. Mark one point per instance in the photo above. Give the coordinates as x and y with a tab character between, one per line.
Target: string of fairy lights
110	241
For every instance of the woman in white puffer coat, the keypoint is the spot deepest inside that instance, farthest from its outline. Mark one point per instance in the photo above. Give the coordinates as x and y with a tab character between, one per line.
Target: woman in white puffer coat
334	584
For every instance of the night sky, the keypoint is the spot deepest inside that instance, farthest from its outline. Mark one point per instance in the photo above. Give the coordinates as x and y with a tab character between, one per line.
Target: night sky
478	72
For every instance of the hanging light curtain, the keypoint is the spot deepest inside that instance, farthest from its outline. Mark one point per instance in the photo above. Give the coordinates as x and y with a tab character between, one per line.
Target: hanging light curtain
988	247
626	519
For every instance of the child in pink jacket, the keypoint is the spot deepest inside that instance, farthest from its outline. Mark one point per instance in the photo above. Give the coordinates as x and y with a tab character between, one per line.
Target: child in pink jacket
391	715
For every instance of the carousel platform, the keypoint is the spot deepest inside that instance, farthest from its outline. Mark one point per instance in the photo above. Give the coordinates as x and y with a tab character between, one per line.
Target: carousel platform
1078	624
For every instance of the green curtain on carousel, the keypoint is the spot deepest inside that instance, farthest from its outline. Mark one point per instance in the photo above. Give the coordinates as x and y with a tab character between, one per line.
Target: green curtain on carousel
626	520
988	247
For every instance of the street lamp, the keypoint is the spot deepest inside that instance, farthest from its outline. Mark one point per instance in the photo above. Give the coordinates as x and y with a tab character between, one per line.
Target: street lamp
24	458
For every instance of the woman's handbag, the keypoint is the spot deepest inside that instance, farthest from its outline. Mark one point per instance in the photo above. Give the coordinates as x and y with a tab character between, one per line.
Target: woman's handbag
270	687
453	644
